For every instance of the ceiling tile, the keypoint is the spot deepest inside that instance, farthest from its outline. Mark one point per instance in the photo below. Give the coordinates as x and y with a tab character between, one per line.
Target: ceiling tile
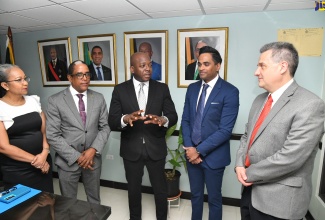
103	8
207	4
16	5
82	22
251	8
149	6
43	27
125	18
17	21
65	1
291	6
53	14
165	14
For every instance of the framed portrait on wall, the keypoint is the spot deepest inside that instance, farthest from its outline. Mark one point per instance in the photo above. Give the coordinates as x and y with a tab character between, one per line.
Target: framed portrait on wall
99	53
55	58
154	43
188	41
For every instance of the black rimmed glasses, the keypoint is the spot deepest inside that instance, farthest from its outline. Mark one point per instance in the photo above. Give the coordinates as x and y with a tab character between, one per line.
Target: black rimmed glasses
81	75
26	79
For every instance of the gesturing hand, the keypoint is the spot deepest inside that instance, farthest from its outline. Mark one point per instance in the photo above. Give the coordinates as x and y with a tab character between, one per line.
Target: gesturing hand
130	118
154	119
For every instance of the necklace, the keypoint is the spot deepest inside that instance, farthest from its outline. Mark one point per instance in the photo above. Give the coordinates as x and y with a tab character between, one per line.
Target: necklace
13	103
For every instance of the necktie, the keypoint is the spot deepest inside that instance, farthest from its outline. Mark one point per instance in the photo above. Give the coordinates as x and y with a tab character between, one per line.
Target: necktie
264	113
99	74
82	109
196	73
196	133
142	99
54	63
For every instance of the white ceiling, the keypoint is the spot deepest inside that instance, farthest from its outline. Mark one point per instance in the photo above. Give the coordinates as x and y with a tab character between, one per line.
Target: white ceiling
34	15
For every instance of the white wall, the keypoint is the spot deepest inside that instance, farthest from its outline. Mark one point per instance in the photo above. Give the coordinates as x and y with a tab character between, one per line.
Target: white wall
247	33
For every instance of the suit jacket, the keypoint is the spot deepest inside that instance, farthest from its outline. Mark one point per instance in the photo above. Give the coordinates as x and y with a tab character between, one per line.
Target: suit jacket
156	71
60	69
283	152
190	70
124	101
107	72
66	133
219	117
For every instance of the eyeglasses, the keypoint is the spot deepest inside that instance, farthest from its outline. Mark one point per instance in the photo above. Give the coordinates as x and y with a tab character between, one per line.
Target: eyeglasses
7	191
81	75
26	79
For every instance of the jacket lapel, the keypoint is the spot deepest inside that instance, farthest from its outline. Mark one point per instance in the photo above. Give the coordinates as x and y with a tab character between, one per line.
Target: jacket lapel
71	104
90	105
195	95
151	94
214	92
131	95
283	100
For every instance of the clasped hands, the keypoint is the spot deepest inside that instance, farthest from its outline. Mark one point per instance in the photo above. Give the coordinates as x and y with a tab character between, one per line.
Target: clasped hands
39	162
150	119
192	155
241	176
86	159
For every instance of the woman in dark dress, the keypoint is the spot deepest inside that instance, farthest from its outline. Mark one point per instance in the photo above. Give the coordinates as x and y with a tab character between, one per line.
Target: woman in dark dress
24	151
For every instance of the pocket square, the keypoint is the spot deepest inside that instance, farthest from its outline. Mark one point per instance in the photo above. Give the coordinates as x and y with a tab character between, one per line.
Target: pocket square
214	103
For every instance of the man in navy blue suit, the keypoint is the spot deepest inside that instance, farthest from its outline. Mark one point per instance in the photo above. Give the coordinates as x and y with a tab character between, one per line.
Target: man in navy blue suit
207	126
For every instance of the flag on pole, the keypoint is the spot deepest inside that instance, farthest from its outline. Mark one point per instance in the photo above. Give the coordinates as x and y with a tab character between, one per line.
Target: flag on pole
87	57
10	57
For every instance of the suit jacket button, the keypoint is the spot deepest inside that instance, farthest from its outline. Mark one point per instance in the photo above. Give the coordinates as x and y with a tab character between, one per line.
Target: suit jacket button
86	132
82	145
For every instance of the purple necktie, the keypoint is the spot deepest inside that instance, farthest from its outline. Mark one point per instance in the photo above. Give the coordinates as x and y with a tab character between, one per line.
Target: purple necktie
82	109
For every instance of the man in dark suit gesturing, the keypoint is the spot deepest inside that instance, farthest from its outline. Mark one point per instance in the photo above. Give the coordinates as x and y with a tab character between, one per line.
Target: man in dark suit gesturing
210	112
276	155
96	68
77	129
142	109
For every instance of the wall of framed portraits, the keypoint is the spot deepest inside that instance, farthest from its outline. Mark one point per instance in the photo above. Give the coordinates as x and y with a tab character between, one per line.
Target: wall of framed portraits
246	33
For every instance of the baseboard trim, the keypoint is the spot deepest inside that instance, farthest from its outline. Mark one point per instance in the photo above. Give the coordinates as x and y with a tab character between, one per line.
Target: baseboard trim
309	216
149	190
185	195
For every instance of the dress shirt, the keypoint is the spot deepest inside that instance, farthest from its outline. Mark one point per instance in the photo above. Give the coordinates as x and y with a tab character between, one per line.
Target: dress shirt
276	95
209	89
76	98
100	69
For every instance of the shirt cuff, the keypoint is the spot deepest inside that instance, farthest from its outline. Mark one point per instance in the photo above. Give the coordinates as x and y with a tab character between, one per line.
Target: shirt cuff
166	124
122	122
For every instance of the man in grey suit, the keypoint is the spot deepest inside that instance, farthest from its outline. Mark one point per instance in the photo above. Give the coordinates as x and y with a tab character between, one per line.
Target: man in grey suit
77	129
275	162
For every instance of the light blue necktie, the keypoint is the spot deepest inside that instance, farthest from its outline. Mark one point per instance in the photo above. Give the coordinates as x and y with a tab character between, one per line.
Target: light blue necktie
99	74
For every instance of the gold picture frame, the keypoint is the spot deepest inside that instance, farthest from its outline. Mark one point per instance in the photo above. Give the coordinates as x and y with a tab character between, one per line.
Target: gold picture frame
54	73
158	39
186	43
108	46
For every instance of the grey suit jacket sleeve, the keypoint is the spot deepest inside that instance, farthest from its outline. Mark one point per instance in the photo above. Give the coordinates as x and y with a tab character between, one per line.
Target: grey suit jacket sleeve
103	128
55	136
